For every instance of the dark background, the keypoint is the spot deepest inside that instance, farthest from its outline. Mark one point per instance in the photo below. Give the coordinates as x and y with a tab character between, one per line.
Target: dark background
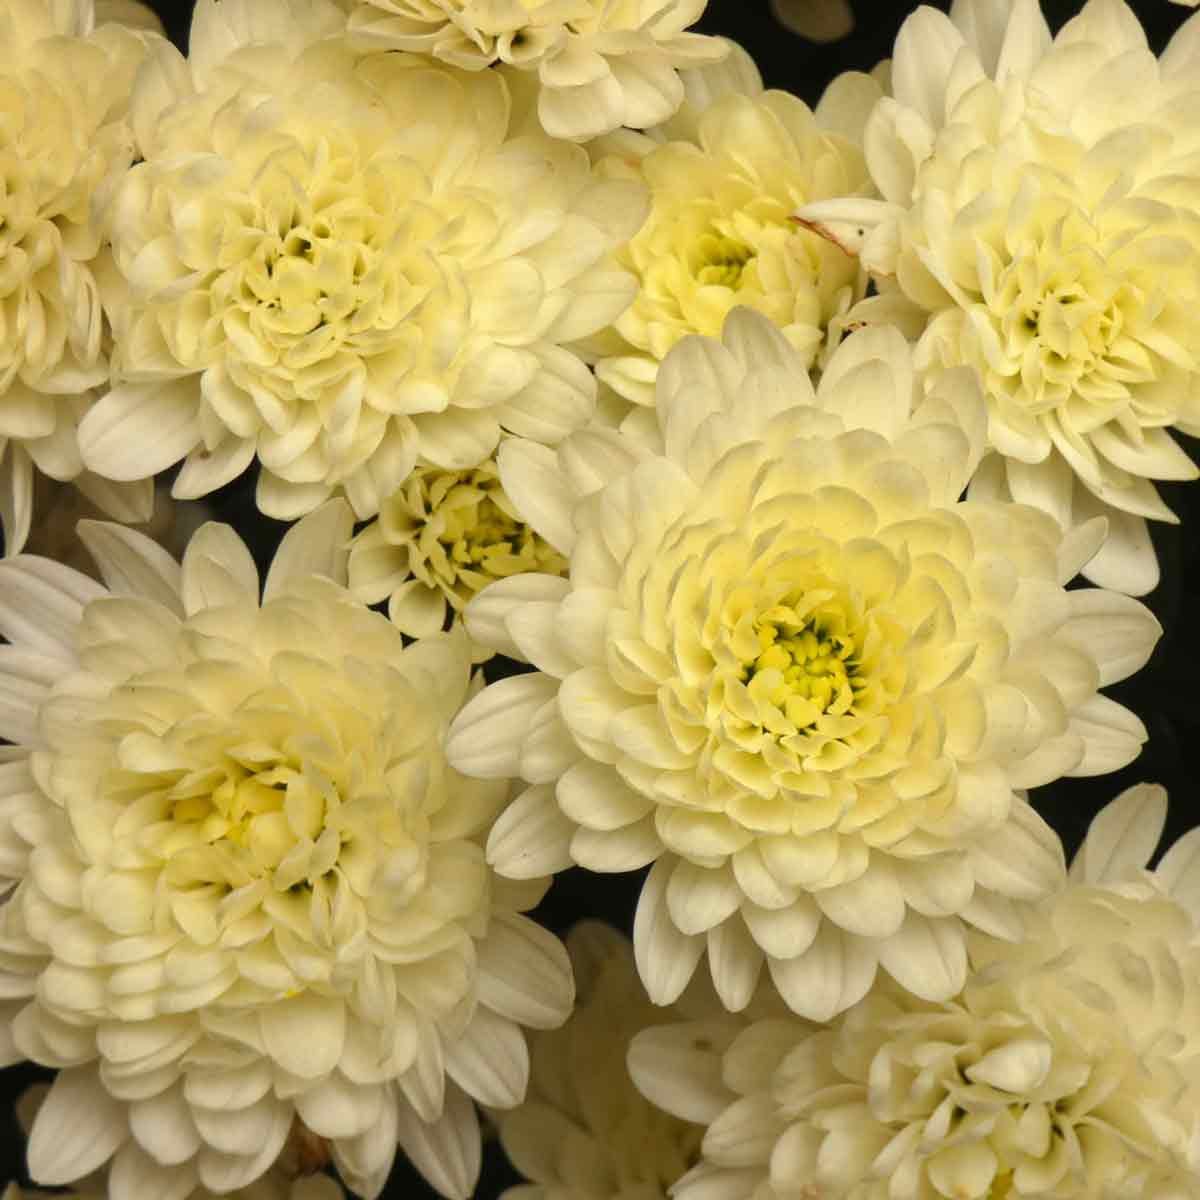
1164	694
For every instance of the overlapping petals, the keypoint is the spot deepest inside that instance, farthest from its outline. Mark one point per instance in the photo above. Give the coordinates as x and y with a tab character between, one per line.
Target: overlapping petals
66	144
251	896
1036	222
585	1132
1066	1067
792	669
720	231
438	541
339	264
600	64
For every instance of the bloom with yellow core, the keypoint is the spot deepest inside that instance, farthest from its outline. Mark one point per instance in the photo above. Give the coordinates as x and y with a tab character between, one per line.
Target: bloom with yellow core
67	141
599	64
1066	1067
440	539
792	668
1036	225
250	893
723	187
342	264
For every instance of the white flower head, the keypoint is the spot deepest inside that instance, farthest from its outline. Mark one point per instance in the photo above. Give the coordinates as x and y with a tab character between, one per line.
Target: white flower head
792	669
66	143
600	64
585	1132
1039	225
438	541
720	232
337	264
1066	1067
251	897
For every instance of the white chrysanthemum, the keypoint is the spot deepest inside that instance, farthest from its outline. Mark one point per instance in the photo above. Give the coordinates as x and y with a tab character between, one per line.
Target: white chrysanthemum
794	671
817	20
277	1184
585	1132
600	64
720	231
66	142
251	895
337	263
1038	217
1067	1069
440	539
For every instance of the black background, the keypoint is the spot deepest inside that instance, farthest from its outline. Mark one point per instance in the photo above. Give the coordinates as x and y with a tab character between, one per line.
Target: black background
1164	694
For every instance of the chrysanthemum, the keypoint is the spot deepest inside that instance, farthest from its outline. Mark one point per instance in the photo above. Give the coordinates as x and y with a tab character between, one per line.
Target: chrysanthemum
792	669
337	264
251	896
720	231
585	1132
1067	1067
66	142
1039	217
600	64
440	539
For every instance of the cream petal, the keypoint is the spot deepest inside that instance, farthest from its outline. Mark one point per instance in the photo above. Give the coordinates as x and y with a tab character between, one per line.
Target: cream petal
666	958
139	429
447	1151
927	956
531	838
678	1068
834	973
305	1034
78	1128
485	738
133	564
541	494
524	973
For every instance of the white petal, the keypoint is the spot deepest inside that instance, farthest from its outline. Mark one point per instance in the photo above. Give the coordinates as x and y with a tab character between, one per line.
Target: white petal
524	973
735	963
317	545
924	55
132	564
217	570
78	1128
489	1060
487	614
678	1068
1112	736
448	1151
539	491
25	683
129	503
927	956
699	899
41	603
1122	836
531	838
666	958
337	1108
16	497
139	429
486	737
305	1034
871	905
136	1176
1022	859
831	975
1120	633
204	471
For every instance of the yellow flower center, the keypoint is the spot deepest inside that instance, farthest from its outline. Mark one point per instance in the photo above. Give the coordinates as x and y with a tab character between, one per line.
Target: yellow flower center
805	668
720	260
462	533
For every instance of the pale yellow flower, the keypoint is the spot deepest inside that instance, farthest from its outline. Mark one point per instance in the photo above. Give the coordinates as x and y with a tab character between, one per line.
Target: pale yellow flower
65	96
795	670
1068	1068
439	540
1038	226
720	232
600	64
251	894
337	264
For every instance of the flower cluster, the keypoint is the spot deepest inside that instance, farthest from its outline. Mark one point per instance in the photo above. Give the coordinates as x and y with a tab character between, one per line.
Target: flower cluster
579	466
1066	1066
